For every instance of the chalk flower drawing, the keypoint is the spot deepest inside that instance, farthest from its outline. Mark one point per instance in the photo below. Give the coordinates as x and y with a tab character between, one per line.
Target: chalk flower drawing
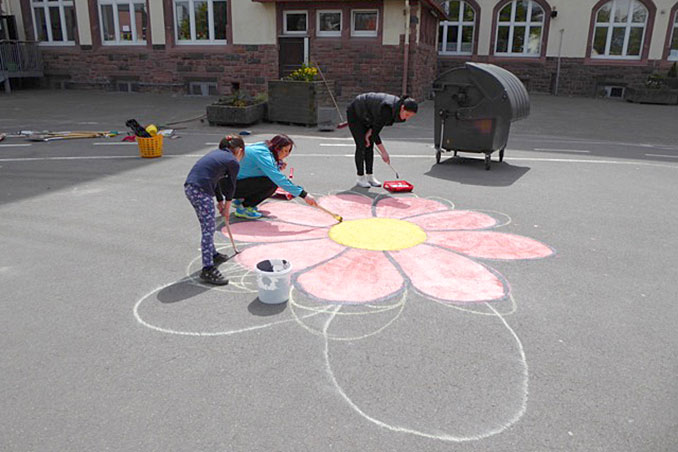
385	246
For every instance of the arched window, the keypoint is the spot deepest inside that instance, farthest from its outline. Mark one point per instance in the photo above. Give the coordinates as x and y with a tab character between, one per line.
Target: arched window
619	30
520	27
673	46
457	35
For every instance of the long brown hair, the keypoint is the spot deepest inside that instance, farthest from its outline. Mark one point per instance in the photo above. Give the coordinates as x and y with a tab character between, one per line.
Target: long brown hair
278	142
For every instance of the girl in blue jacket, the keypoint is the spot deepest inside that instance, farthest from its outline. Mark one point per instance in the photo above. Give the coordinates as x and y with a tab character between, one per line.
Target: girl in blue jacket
214	175
261	173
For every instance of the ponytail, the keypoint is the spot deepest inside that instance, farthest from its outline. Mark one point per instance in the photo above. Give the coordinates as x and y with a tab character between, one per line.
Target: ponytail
231	142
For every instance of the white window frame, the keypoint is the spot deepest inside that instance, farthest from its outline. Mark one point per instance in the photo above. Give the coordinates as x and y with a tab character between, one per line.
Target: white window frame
294	32
674	34
210	23
363	33
512	24
48	21
629	24
329	33
460	23
116	18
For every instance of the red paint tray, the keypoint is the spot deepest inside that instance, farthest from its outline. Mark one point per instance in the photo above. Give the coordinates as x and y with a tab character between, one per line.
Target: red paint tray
398	186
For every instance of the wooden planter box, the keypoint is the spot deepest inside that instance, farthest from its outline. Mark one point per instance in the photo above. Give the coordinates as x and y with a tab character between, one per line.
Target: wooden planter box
651	96
296	102
228	115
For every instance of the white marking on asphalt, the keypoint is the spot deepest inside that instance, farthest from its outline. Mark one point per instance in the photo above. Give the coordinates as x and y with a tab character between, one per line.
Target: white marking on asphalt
438	436
337	144
562	150
97	157
198	333
662	155
124	143
14	145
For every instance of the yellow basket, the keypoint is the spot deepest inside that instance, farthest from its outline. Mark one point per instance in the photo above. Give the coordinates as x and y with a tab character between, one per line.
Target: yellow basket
150	147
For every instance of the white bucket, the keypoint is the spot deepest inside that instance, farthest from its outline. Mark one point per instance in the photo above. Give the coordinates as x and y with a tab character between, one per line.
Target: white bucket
273	280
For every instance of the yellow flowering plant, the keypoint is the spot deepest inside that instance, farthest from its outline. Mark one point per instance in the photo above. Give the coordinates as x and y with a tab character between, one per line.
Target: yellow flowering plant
306	73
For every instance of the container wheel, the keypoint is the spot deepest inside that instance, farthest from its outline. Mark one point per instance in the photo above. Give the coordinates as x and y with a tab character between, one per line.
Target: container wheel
501	155
438	154
487	161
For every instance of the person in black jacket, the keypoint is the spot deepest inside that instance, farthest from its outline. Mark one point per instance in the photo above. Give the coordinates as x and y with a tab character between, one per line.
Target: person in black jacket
367	115
201	186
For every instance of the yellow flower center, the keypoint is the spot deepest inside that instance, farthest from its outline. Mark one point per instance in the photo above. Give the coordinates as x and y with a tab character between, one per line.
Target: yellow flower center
378	234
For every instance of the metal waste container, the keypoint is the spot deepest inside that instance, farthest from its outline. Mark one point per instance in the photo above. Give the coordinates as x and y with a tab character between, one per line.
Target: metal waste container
474	107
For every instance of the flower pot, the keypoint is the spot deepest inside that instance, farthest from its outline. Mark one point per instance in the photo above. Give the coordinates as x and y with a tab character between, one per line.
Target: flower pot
660	96
230	115
296	102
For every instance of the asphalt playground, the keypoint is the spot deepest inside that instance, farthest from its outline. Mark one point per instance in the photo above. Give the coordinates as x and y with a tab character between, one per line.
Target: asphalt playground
109	342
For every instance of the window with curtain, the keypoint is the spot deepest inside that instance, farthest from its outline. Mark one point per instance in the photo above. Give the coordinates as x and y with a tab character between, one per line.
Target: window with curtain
520	27
200	21
364	22
123	21
456	34
619	30
54	21
329	23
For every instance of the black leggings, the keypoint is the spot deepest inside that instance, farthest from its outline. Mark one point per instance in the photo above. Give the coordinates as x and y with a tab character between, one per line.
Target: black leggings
254	190
363	154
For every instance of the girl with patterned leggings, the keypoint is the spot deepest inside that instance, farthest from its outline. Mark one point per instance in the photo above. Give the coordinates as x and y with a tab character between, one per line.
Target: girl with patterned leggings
202	184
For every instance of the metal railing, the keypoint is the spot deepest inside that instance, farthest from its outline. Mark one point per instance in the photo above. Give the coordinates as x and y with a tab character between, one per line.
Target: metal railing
20	59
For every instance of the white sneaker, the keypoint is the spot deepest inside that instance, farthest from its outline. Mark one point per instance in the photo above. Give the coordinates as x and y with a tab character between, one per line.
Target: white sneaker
372	181
362	182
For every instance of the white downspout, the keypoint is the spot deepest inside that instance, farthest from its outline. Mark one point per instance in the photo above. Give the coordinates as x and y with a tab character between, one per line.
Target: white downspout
406	46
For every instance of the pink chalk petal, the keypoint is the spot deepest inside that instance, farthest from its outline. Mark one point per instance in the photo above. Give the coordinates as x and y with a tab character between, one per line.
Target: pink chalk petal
453	219
300	254
296	213
356	276
407	206
273	231
448	276
490	244
348	206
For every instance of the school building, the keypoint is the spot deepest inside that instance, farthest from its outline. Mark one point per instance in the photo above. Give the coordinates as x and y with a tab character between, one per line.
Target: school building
576	47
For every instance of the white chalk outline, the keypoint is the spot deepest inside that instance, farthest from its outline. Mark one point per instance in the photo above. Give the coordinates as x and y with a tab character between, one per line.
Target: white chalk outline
444	437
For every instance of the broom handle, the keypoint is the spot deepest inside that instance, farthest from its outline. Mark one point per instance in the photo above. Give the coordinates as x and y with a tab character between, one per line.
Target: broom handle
230	235
330	91
327	211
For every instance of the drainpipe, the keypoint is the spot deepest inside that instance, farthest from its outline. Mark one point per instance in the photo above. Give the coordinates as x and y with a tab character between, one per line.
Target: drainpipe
406	45
560	50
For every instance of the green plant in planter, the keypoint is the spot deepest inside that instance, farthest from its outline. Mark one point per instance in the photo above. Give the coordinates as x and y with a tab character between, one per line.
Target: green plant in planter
655	81
237	108
306	73
673	72
241	99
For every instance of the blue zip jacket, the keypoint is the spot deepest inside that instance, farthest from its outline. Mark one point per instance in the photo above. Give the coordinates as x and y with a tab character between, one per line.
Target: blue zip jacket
216	165
259	161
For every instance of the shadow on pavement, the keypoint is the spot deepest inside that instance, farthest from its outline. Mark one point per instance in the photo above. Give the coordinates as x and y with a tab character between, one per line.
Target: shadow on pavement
264	310
181	291
471	171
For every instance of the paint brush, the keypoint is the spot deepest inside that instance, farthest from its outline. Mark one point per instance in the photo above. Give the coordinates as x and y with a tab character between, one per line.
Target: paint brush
230	235
396	172
336	217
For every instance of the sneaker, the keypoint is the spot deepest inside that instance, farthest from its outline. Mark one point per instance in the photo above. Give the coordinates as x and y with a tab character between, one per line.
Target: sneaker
212	276
362	182
219	258
236	203
372	181
250	213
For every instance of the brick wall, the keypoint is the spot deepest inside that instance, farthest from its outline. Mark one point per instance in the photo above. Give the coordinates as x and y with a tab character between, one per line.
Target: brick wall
163	70
576	77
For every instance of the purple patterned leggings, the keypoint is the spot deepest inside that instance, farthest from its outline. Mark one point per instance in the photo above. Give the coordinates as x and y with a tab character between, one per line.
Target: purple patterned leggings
204	208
